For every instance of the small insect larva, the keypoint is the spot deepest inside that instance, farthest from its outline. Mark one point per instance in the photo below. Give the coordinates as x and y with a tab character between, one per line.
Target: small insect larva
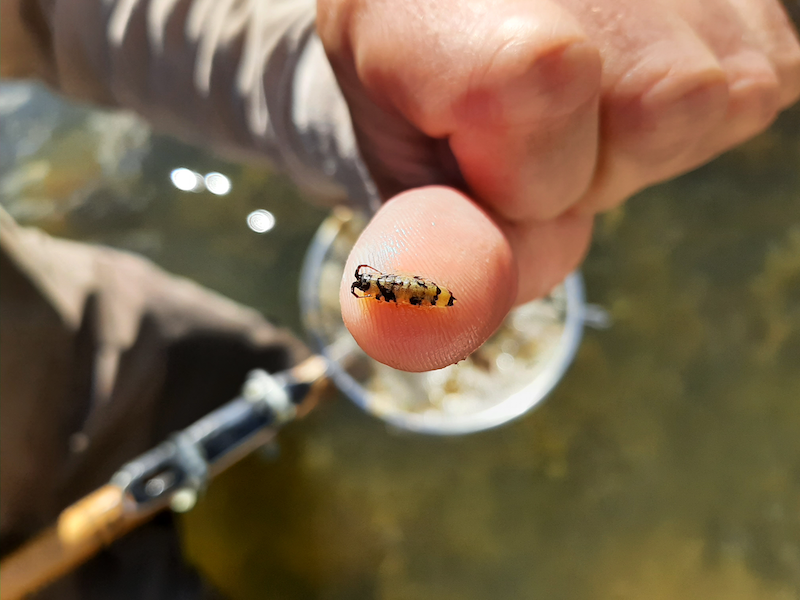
400	289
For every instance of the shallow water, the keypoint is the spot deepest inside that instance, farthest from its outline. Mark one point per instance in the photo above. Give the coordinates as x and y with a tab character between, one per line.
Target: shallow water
666	465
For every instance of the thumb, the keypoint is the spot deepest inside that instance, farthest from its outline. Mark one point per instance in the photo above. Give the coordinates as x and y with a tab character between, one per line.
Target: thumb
441	235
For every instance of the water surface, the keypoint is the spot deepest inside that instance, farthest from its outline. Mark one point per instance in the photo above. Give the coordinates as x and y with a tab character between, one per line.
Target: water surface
665	466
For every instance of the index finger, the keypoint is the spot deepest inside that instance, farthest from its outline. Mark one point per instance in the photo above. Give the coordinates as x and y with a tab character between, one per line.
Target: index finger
513	88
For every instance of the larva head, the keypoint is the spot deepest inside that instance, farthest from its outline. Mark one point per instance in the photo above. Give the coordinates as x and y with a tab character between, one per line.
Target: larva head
363	280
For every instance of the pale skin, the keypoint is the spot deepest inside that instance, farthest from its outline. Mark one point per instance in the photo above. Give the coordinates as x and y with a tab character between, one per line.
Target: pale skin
497	130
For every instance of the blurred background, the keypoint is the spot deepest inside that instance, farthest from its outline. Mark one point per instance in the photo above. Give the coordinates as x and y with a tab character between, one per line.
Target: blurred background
665	465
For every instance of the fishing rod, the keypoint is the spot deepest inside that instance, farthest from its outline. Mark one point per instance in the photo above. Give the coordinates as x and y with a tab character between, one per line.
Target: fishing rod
171	475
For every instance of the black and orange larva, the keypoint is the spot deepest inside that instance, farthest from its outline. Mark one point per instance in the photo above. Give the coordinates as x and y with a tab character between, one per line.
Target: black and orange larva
400	289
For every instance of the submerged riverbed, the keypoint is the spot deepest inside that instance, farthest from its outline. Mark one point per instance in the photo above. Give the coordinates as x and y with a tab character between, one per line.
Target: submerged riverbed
665	465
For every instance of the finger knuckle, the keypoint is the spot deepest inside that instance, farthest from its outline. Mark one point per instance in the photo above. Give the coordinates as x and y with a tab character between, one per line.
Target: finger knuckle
526	81
665	117
568	75
754	104
788	68
686	97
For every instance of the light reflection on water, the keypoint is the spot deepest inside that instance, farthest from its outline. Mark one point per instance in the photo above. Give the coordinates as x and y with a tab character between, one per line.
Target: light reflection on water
187	180
261	221
666	465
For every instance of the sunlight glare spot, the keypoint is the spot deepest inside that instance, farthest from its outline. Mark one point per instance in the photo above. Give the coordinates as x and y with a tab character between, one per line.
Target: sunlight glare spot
261	221
186	180
217	183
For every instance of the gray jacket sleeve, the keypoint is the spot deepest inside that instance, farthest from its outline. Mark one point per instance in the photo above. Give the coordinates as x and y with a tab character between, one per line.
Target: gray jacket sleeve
246	77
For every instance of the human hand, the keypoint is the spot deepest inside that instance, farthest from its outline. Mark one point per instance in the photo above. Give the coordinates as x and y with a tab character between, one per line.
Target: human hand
542	113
